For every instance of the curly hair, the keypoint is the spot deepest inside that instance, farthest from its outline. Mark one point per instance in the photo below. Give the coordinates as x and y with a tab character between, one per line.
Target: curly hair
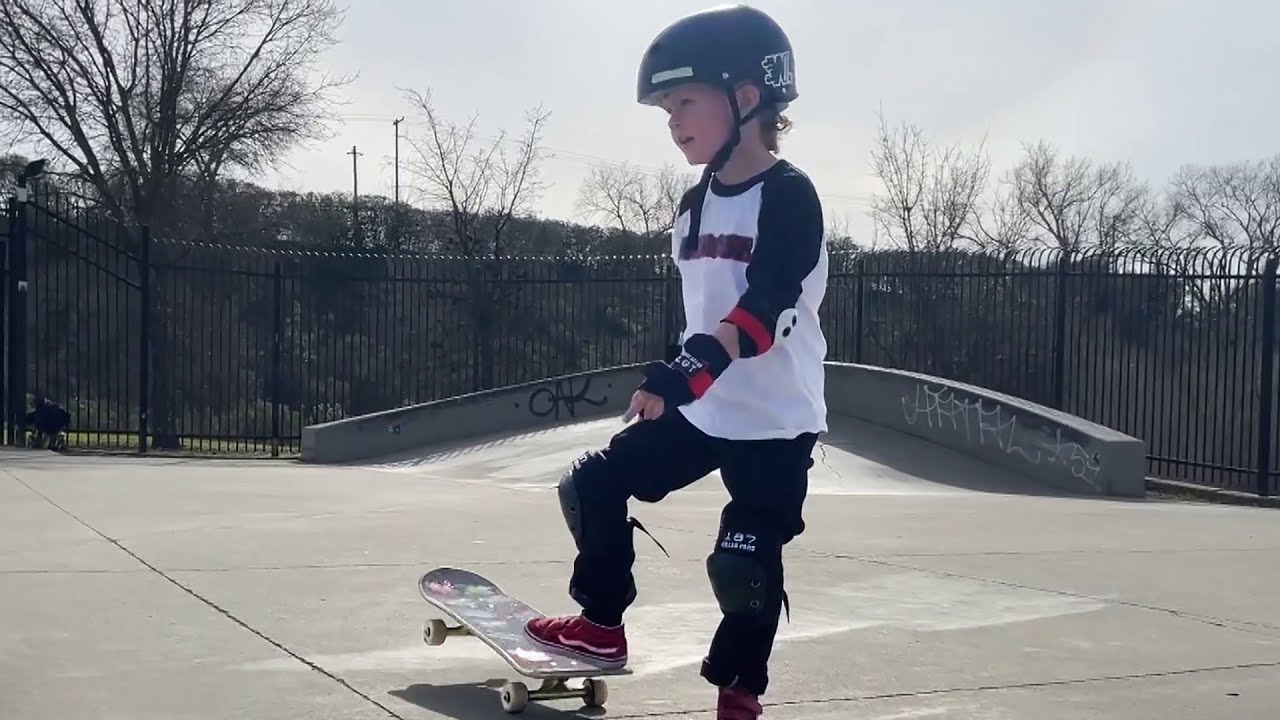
773	124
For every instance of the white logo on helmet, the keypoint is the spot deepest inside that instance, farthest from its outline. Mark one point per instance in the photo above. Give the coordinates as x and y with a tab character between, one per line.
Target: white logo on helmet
777	69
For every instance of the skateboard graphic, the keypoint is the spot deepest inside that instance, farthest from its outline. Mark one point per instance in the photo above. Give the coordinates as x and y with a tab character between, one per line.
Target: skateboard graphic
498	619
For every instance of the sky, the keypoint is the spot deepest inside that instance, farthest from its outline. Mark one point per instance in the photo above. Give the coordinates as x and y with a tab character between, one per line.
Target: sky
1155	83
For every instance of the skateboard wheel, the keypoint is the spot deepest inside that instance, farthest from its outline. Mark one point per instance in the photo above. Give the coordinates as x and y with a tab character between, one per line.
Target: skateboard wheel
515	697
595	692
434	632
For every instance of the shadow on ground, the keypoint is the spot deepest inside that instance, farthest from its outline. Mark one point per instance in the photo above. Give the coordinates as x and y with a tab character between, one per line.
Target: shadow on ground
480	701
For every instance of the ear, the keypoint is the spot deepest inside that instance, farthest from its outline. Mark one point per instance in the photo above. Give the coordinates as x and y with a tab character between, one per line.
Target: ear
748	97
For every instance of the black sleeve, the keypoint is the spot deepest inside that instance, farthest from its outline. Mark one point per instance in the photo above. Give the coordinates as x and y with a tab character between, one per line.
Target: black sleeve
789	238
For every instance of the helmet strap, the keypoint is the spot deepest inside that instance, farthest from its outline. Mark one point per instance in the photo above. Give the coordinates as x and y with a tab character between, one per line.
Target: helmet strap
735	135
718	161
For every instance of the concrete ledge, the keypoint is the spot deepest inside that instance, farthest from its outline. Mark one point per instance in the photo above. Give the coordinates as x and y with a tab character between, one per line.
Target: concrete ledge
1050	448
1207	493
1044	445
510	409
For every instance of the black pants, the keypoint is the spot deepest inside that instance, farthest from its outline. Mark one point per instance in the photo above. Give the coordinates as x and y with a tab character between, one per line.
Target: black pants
767	481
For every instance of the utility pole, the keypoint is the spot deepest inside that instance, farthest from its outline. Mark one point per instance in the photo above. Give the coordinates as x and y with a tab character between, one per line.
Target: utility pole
355	198
396	123
395	208
355	177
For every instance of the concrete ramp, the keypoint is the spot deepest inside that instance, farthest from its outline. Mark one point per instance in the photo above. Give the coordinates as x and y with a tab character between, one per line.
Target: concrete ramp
854	458
890	432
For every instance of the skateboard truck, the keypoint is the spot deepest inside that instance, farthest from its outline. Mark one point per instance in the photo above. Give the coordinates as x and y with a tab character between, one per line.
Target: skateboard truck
516	695
434	632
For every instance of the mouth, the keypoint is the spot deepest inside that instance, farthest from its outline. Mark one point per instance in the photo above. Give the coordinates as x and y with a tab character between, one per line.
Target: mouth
684	141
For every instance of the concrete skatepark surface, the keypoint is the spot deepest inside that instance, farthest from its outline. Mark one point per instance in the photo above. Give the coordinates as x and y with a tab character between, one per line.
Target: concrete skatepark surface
928	584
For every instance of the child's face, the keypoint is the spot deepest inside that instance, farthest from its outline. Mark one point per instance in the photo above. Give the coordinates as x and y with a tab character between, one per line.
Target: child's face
699	118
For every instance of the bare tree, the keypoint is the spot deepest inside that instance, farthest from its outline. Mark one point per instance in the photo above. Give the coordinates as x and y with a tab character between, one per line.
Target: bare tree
1121	199
1076	203
837	233
1163	222
1054	194
138	103
137	98
1006	226
930	194
633	199
1226	208
1235	205
482	185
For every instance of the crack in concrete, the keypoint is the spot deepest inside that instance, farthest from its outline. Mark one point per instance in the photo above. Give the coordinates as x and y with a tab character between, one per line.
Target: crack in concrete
822	449
1075	551
975	688
218	608
1224	623
272	568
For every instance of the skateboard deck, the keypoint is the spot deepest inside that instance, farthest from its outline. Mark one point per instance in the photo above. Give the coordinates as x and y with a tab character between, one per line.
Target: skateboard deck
497	619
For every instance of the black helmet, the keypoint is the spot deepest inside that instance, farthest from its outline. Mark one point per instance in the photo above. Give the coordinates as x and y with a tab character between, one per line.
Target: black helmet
722	46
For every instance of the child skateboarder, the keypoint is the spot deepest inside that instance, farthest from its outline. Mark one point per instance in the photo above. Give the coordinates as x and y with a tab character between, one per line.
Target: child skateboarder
745	394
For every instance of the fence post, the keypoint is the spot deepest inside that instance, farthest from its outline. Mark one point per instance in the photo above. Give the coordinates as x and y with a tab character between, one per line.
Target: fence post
144	338
277	323
1060	331
477	324
5	322
860	302
17	321
1268	390
670	335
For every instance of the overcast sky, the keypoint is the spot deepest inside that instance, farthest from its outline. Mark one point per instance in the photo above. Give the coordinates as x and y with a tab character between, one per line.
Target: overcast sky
1157	83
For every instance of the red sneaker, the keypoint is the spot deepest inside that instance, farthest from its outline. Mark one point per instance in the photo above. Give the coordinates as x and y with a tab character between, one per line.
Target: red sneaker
606	646
738	704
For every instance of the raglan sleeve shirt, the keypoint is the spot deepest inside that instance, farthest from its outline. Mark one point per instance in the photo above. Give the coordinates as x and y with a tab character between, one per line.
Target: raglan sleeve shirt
752	256
788	246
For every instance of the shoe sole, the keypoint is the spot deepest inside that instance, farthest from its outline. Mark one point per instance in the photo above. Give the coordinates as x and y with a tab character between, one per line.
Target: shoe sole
601	662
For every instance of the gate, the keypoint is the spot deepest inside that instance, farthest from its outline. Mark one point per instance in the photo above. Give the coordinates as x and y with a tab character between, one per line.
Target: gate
13	319
70	290
4	327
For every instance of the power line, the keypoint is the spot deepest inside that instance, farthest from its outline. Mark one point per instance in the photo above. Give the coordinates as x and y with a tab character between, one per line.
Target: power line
588	159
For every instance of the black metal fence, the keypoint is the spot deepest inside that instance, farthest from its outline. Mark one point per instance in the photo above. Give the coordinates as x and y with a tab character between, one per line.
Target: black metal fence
245	346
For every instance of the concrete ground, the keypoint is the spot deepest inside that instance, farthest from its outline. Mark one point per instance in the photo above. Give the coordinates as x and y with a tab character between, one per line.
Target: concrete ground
927	586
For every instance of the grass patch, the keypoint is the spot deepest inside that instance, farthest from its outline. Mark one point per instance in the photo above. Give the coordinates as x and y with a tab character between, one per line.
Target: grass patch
124	442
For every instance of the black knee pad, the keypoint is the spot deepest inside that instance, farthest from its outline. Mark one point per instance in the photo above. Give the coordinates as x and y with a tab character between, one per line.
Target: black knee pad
579	489
740	582
745	567
571	502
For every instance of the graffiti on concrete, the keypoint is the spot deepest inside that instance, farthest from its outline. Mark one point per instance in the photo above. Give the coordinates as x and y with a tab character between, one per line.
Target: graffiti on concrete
550	398
990	423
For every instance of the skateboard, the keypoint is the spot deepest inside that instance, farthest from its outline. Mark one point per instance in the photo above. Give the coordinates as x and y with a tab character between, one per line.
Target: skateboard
497	619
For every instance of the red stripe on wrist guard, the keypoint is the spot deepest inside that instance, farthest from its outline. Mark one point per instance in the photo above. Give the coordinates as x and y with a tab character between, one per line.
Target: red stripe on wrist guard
700	383
701	362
